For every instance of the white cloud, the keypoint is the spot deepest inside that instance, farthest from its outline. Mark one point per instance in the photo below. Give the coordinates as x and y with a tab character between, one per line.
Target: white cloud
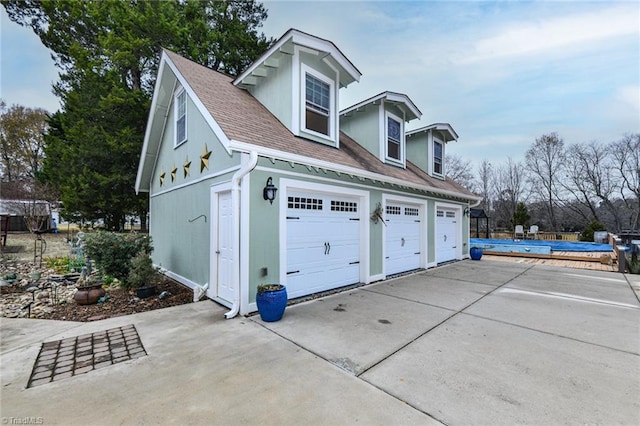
543	36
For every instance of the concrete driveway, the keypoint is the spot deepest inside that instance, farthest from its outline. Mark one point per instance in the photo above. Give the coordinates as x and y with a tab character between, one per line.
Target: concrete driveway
483	342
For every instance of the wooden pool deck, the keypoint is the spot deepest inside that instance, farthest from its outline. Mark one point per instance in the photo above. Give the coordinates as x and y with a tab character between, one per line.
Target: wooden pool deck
565	259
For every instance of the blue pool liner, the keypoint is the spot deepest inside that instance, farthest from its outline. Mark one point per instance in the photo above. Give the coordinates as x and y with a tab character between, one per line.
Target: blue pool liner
537	246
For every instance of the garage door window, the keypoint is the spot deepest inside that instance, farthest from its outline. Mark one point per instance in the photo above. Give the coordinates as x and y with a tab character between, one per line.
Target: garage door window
304	203
411	211
343	206
394	210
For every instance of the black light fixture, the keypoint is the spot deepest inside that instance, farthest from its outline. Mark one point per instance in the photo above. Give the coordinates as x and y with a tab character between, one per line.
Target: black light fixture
269	191
466	211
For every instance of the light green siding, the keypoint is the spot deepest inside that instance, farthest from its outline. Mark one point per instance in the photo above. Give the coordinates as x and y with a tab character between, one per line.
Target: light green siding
418	150
180	217
275	91
199	135
375	236
364	128
431	231
264	249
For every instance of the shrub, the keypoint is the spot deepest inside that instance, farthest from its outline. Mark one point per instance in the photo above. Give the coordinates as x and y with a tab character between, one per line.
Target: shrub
112	252
142	272
587	234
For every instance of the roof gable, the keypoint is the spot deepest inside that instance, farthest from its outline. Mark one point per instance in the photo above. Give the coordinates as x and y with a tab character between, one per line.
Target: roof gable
348	72
401	100
445	129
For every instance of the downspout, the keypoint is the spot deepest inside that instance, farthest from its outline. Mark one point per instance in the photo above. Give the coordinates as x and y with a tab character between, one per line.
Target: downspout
235	199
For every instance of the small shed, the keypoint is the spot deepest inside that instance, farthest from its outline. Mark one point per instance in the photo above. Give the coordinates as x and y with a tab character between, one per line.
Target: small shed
16	213
475	215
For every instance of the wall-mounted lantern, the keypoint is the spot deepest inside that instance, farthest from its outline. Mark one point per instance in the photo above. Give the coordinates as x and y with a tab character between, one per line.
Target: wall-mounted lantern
269	191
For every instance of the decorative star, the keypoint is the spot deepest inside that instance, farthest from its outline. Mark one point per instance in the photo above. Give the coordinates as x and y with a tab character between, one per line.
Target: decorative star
204	158
173	173
185	167
162	178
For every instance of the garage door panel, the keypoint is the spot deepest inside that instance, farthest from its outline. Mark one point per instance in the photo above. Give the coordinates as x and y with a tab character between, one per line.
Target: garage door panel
446	235
323	242
402	238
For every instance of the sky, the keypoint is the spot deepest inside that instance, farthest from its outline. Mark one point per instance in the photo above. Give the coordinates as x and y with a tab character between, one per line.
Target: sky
502	73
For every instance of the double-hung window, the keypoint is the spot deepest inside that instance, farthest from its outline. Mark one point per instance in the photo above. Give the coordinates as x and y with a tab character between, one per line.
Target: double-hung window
394	139
437	157
181	117
318	105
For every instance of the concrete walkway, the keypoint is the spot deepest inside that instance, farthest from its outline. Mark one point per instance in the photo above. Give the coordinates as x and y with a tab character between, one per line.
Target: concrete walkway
468	343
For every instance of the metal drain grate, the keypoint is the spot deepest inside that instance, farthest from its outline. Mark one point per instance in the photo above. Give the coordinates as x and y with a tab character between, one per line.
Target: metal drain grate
77	355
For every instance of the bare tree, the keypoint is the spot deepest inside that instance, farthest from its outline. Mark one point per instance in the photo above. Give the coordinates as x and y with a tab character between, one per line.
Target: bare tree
544	160
591	178
509	187
459	170
484	183
576	183
626	155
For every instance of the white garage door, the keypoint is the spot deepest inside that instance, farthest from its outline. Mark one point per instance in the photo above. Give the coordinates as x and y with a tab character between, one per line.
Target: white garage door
323	242
446	235
402	238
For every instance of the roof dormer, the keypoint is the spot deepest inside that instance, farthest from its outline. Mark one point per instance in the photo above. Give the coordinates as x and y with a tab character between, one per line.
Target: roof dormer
298	80
378	125
426	147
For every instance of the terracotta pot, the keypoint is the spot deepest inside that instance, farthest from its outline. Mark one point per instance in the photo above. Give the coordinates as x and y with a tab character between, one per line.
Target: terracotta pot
89	294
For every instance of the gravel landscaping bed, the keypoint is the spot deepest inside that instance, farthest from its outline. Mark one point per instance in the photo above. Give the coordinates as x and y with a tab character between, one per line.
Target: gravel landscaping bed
51	295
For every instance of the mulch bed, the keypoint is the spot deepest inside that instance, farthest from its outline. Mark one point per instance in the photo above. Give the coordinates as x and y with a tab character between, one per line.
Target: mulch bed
120	302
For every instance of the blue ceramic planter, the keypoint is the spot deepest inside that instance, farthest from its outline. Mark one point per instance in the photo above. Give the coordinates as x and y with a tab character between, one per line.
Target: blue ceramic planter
271	304
475	253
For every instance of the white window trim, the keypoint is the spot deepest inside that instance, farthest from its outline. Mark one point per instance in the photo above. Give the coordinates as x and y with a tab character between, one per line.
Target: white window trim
433	157
333	112
385	138
176	107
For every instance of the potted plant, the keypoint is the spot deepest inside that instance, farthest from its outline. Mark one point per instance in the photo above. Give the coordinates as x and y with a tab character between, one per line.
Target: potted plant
89	290
271	300
475	253
142	275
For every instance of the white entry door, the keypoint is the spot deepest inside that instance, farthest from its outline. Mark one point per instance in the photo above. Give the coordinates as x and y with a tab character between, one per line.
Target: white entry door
323	242
402	238
446	235
223	253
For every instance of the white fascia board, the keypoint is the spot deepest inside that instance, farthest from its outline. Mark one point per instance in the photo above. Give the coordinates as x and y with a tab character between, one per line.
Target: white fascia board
275	48
300	159
305	40
326	46
217	130
446	127
152	113
390	97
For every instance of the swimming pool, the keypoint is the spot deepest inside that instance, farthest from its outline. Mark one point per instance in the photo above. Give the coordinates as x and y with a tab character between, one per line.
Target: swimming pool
537	246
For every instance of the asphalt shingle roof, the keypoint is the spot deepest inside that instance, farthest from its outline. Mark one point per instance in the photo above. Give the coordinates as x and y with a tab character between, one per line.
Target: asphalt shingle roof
243	118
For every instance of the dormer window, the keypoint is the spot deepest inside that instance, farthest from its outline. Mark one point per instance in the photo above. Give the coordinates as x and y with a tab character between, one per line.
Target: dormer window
393	139
437	157
181	117
318	105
